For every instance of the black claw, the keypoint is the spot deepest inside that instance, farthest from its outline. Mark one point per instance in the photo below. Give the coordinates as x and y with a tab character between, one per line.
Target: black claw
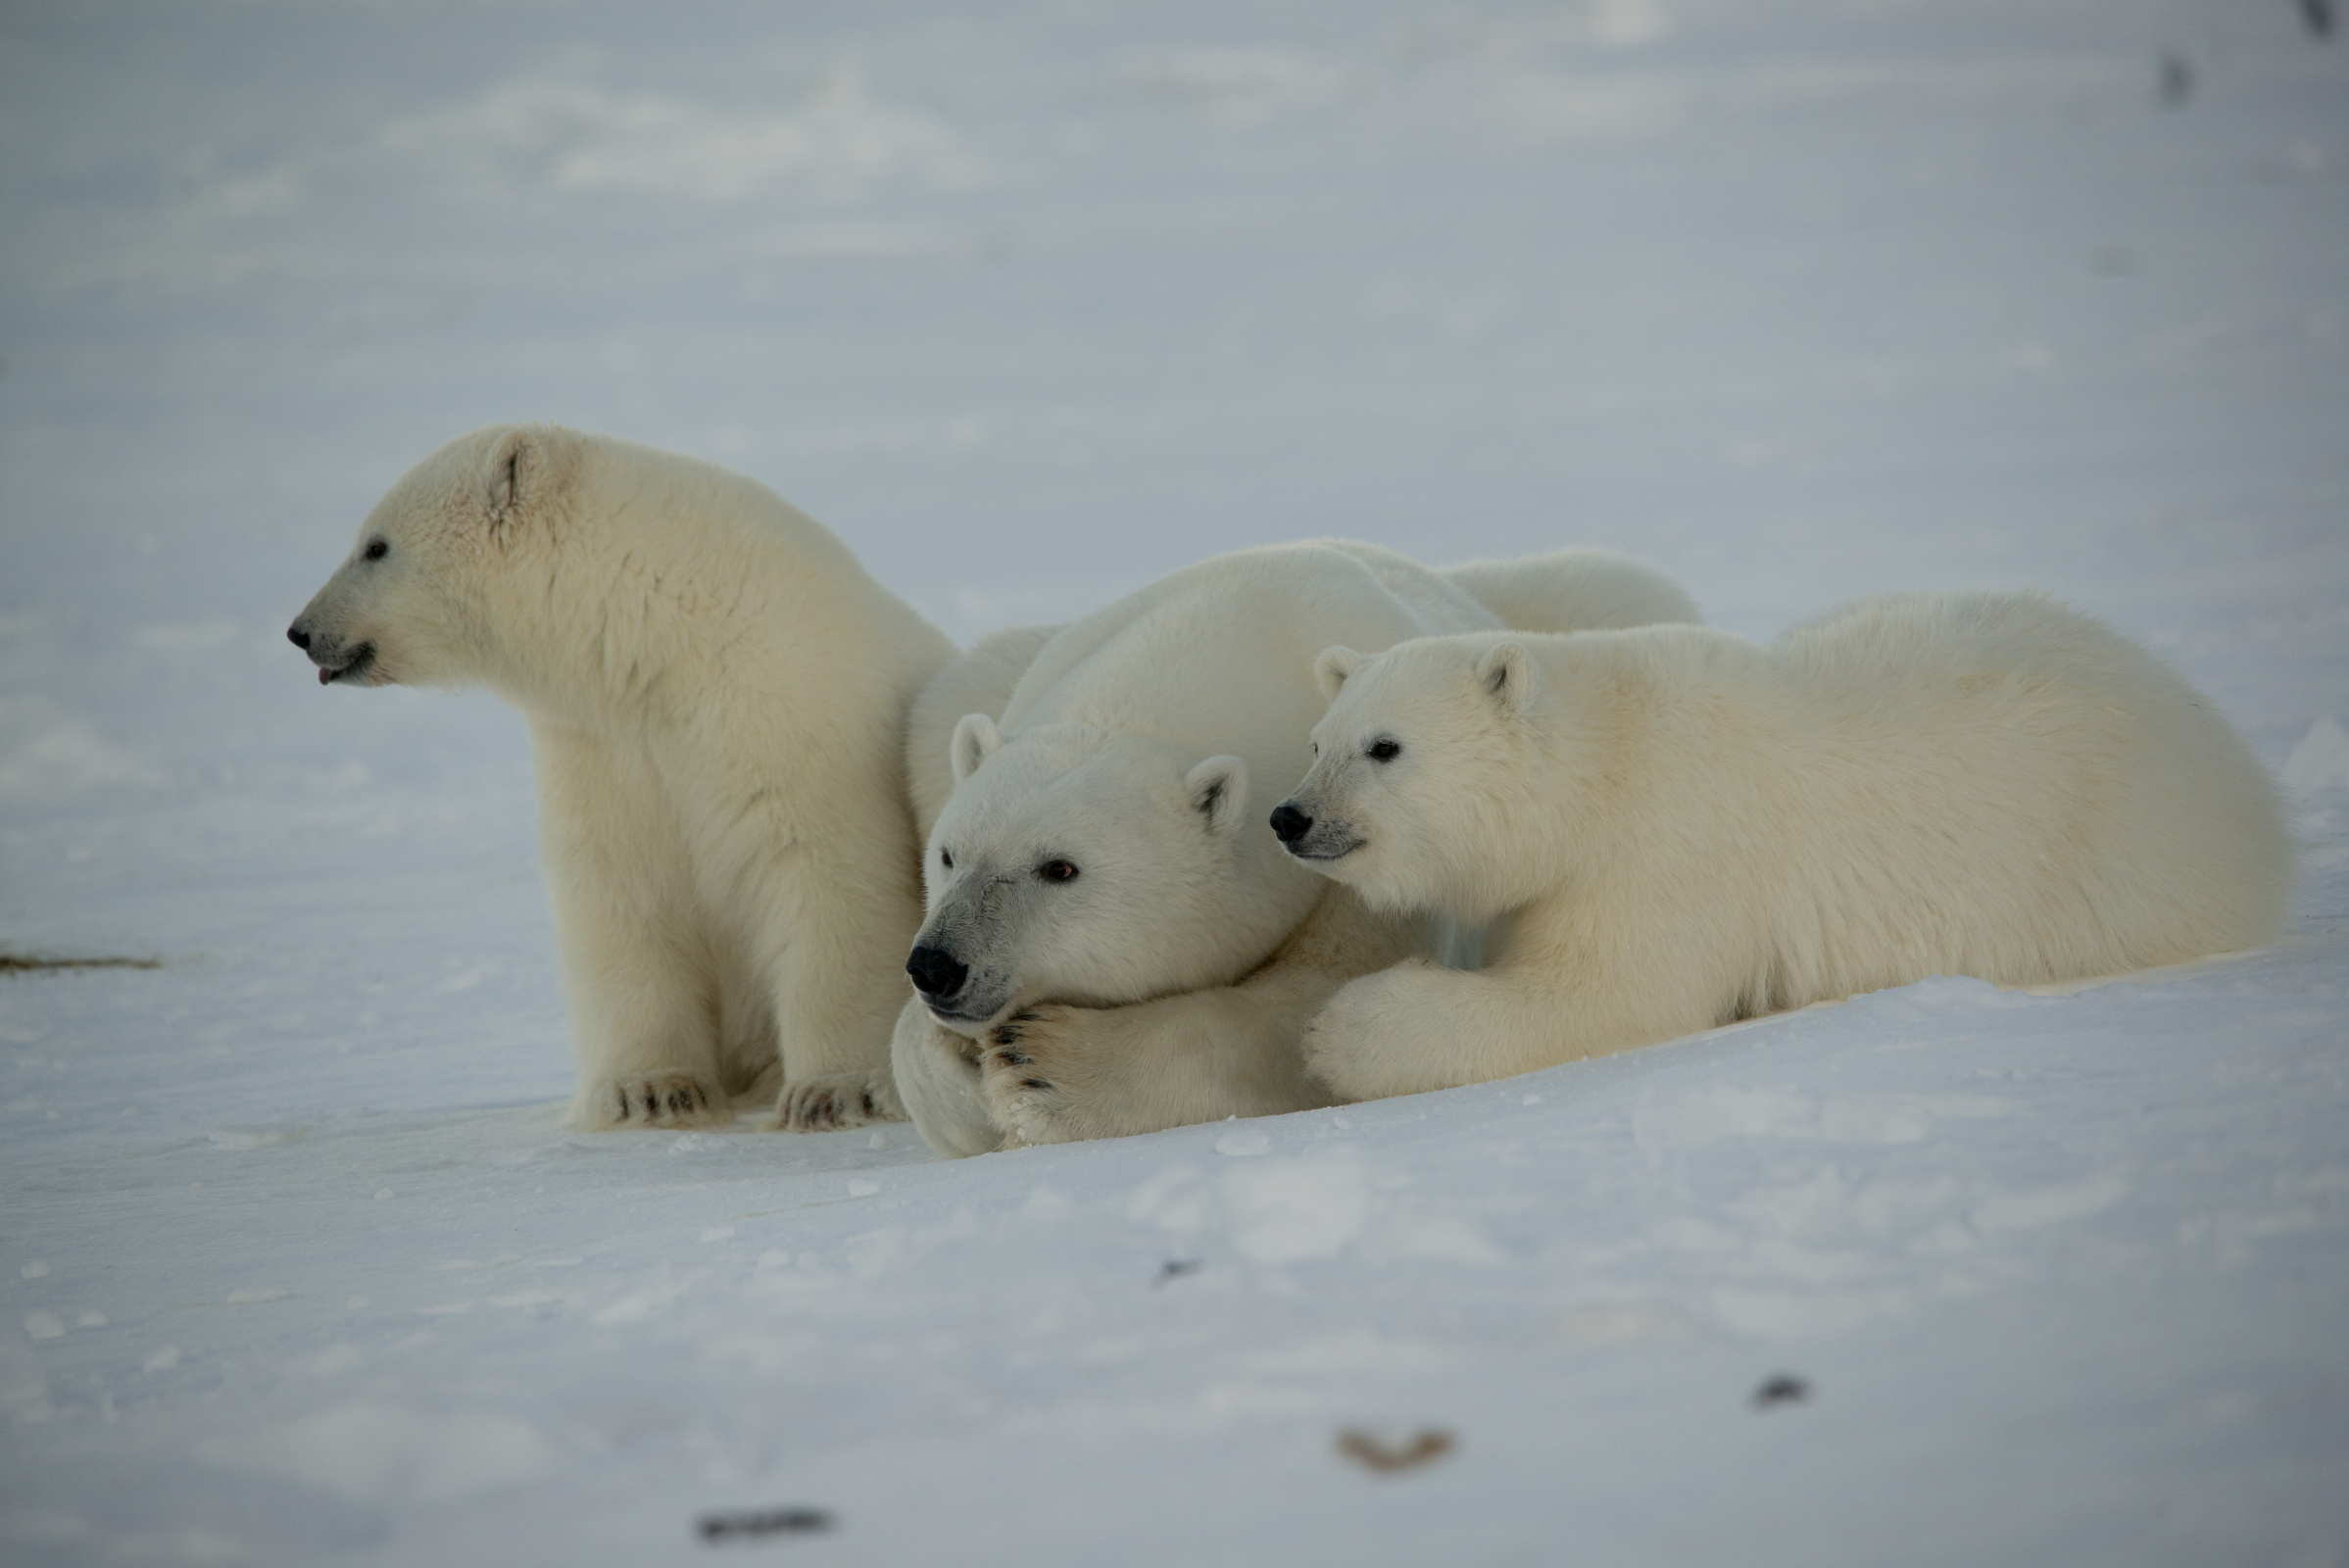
1034	1083
1027	1015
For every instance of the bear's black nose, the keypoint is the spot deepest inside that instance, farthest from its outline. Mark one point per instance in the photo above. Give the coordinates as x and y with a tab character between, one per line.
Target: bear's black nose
1289	824
298	637
936	972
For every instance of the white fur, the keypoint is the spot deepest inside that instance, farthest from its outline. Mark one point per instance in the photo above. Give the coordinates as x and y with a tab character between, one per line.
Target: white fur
1170	980
717	695
1126	752
1691	829
1574	590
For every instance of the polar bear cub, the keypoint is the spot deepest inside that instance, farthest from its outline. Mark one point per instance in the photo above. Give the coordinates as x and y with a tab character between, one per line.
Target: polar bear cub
1691	830
716	693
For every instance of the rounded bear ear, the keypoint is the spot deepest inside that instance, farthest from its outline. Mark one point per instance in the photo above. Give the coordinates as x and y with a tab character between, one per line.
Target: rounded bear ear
1506	673
975	740
510	472
1332	667
1218	790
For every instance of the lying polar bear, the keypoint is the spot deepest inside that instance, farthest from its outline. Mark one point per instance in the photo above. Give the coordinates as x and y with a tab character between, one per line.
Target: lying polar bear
718	696
1691	830
1107	909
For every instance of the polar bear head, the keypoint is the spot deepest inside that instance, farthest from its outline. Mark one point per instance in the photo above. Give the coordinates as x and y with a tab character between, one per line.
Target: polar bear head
1085	865
418	602
1428	771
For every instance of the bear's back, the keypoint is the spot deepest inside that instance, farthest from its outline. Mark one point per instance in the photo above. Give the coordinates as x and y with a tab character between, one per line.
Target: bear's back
1218	657
2057	801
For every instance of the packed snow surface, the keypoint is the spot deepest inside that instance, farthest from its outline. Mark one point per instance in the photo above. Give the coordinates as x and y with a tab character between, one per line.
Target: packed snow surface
1032	303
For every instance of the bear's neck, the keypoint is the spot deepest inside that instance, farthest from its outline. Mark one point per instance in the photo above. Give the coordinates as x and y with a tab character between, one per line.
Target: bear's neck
626	637
1651	733
1608	698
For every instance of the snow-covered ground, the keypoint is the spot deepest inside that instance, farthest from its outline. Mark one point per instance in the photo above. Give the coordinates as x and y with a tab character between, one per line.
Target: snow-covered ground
1032	301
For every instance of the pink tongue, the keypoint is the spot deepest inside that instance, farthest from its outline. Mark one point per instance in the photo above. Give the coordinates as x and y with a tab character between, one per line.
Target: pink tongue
326	676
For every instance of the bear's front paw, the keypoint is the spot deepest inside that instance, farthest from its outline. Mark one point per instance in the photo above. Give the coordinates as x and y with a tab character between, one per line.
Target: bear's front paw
1360	1044
1022	1075
835	1102
652	1099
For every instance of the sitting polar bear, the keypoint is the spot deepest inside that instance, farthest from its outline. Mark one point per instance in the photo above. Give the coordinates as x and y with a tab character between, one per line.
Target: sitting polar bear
1691	829
1105	905
718	696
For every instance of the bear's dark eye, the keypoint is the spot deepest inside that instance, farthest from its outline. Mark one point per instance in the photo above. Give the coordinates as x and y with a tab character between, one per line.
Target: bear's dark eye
377	549
1057	871
945	857
1386	749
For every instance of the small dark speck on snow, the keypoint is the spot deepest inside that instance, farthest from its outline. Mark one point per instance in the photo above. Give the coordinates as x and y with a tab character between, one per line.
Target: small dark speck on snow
28	963
756	1523
1373	1453
1781	1388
